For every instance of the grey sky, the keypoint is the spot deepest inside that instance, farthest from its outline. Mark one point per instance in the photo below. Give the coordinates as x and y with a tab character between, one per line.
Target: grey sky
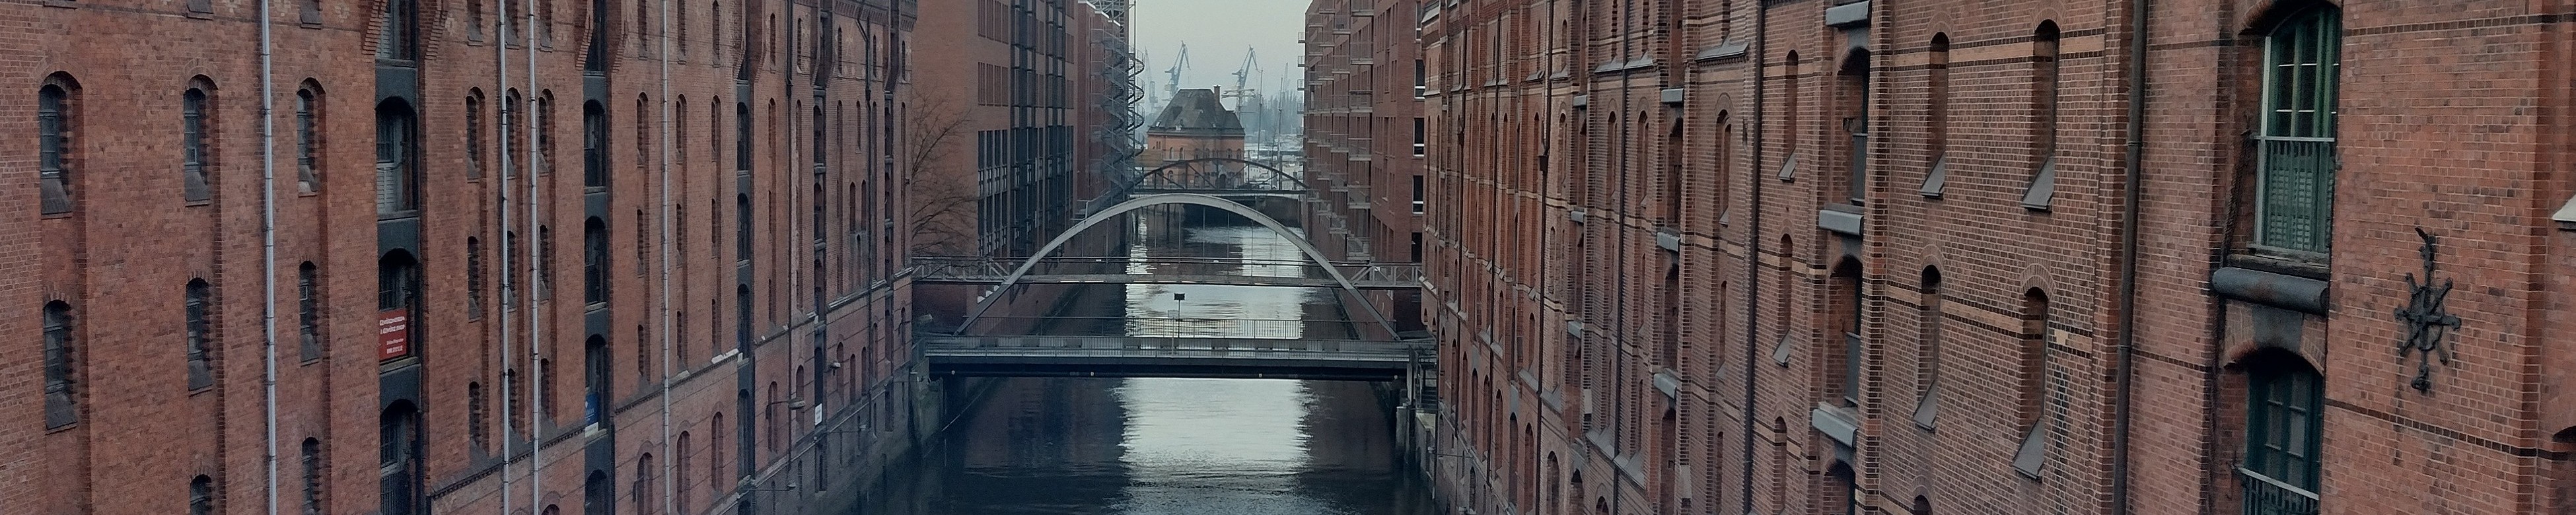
1217	32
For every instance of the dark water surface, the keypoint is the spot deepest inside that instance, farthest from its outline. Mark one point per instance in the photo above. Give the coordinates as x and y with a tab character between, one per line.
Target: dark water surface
1157	446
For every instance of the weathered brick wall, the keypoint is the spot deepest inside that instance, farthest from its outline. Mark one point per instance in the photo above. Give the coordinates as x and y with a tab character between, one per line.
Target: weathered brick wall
2436	133
122	257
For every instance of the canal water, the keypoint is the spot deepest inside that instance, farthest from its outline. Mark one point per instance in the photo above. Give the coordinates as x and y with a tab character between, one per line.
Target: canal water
1154	446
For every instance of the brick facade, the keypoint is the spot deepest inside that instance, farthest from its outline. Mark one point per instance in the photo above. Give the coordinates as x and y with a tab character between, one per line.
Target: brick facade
826	301
1010	76
1361	112
1662	285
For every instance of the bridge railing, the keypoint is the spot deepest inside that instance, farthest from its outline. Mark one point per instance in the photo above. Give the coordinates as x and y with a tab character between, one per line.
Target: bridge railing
1129	345
967	268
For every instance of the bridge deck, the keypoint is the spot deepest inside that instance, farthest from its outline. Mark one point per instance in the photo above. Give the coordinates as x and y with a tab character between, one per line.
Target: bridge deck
1212	279
1115	356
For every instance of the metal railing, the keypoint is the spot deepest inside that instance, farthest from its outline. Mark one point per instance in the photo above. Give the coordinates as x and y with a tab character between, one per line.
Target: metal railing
2267	496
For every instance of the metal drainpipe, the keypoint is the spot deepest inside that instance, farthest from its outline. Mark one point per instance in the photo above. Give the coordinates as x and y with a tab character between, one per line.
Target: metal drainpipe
2124	379
509	286
1753	242
268	248
536	270
670	451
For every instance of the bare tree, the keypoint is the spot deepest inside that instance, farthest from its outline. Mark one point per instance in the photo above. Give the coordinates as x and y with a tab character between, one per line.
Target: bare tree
943	194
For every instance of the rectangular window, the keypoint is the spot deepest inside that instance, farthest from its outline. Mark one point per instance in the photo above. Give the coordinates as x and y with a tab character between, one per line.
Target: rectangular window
1417	195
1418	134
2296	160
192	146
53	146
60	372
308	310
2282	435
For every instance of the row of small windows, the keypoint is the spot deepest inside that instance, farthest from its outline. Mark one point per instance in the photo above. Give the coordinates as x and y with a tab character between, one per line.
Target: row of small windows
58	125
62	357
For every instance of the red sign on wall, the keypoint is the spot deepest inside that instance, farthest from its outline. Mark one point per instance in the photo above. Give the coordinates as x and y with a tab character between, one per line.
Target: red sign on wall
393	333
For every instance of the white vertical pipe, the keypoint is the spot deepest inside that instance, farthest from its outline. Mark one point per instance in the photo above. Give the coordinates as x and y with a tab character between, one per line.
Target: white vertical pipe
268	249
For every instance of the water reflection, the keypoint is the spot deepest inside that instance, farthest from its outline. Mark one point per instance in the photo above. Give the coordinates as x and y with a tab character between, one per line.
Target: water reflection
1155	446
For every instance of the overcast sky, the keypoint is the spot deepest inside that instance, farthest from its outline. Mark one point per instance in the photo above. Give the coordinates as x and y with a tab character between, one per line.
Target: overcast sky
1218	31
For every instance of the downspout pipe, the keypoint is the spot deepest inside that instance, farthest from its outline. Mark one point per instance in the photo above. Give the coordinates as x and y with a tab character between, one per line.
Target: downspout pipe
670	450
537	128
509	286
268	247
1753	244
2124	377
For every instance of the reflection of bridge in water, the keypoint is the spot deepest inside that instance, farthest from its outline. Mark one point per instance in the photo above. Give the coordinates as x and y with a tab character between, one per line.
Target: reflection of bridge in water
985	342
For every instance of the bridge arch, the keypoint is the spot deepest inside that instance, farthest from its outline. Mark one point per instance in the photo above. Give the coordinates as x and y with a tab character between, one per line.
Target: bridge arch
1314	255
1275	175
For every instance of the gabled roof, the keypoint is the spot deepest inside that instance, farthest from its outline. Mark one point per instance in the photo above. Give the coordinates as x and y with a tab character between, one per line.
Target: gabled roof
1196	112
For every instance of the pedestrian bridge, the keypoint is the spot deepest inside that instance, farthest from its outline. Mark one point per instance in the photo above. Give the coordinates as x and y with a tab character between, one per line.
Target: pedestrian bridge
1153	356
1165	270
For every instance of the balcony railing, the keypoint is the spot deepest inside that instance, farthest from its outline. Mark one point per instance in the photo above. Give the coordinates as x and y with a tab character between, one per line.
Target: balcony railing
2266	496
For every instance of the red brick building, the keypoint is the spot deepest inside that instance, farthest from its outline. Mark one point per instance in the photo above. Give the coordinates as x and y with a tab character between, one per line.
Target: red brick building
1007	89
486	212
2109	256
1365	129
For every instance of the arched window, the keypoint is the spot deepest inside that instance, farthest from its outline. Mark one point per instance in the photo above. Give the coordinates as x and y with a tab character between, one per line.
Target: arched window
397	157
1927	347
717	479
2032	352
54	150
643	133
680	473
398	31
598	496
513	134
196	152
594	147
545	128
308	107
777	432
2032	378
398	470
201	496
2044	115
200	334
311	459
308	309
644	489
2284	425
1855	83
2294	179
594	261
473	277
1937	178
474	131
545	263
62	370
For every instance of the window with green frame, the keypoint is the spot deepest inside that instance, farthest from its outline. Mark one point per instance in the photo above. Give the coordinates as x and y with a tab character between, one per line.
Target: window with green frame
2294	182
2283	435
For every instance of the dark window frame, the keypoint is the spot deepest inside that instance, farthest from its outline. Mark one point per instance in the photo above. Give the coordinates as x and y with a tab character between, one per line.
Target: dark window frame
55	132
195	149
2295	146
199	333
